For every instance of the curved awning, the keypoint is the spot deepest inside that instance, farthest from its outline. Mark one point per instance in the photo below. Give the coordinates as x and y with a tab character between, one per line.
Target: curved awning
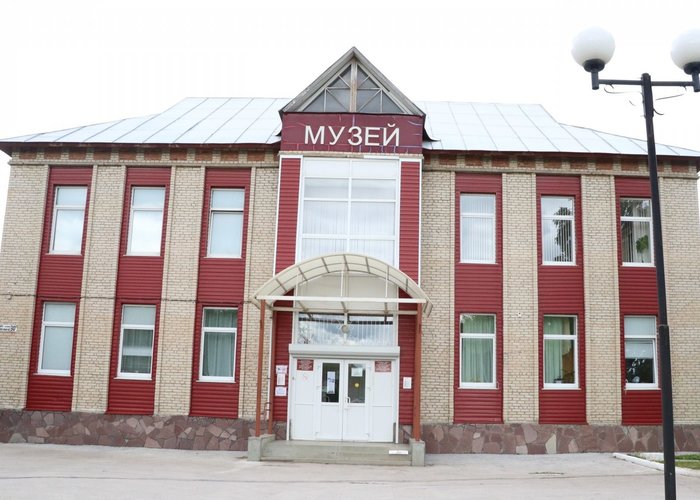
347	264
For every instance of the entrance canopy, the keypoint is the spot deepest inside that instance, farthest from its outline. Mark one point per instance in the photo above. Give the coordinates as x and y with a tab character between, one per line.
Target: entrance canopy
346	266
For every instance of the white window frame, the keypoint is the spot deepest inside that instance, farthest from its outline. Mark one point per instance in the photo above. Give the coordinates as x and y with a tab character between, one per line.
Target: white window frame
571	218
348	237
492	337
653	338
213	211
212	329
476	215
67	208
154	208
124	326
631	218
44	324
551	336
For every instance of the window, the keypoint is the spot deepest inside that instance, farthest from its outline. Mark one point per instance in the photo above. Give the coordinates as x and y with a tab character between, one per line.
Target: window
637	237
218	356
355	91
136	350
56	346
345	329
640	352
478	228
477	337
349	206
558	230
225	223
560	351
68	217
146	222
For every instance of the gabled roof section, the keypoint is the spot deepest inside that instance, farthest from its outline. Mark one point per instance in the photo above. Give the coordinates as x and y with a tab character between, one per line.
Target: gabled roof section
352	85
454	127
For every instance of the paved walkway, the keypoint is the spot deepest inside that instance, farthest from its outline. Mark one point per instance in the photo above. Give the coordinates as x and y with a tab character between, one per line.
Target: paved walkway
93	472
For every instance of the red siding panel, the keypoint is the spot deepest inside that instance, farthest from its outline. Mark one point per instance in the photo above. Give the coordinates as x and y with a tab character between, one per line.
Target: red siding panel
214	399
139	282
479	289
126	396
141	277
221	279
220	283
560	291
407	343
287	213
637	296
60	280
283	337
409	225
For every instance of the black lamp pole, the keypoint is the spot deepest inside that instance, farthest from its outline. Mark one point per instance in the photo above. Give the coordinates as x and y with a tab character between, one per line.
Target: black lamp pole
663	331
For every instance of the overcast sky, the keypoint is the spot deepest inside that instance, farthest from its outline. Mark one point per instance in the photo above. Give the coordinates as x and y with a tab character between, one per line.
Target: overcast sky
69	63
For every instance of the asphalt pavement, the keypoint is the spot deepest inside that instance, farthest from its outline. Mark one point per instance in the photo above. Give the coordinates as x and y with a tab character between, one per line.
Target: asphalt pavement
29	471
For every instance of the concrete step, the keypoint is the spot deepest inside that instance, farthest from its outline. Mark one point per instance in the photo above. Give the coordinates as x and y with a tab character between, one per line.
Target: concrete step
335	452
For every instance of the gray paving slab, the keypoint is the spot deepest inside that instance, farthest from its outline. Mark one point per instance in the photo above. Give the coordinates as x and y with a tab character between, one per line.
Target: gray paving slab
93	472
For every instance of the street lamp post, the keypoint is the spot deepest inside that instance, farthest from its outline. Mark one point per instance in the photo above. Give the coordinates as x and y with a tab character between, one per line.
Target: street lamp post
593	49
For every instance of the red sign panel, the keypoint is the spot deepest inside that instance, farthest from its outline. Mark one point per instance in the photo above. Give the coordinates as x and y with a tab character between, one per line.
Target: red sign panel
382	366
305	365
349	132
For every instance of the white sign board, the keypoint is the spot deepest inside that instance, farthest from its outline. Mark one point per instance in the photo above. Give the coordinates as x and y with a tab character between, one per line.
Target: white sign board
8	328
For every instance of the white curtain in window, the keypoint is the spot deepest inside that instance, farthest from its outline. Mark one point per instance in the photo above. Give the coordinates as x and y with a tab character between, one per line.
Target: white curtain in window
636	242
137	347
325	217
477	360
218	354
57	349
226	230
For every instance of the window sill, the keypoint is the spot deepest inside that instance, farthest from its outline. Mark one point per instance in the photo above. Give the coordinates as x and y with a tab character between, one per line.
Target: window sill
66	254
216	380
480	387
561	387
223	257
642	387
559	264
146	378
638	264
142	255
477	263
53	374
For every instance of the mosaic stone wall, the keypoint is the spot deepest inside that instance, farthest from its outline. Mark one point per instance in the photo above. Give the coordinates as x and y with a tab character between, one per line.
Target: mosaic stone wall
201	433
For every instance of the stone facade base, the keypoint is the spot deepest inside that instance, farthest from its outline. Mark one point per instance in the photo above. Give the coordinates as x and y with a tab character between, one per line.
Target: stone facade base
532	439
179	432
203	433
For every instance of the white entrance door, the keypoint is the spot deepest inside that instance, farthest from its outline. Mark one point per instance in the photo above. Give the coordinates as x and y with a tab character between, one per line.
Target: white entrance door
348	400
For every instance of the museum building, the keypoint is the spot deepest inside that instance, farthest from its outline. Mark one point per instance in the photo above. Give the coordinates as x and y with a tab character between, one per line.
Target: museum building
345	266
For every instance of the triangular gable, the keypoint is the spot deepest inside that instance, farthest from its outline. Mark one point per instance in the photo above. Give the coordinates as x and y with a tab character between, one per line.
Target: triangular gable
352	85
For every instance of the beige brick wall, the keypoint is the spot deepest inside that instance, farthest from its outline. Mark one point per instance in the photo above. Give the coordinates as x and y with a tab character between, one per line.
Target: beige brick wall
437	281
260	251
602	315
681	233
19	267
520	339
180	270
96	317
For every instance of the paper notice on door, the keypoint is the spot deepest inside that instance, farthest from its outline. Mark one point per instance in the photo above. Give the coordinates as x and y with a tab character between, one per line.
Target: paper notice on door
330	383
356	371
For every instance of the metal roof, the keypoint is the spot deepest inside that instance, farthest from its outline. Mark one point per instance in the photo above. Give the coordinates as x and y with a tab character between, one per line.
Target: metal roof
453	126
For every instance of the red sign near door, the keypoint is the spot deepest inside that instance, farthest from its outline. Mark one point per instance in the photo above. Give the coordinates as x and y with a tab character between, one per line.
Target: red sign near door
382	366
305	365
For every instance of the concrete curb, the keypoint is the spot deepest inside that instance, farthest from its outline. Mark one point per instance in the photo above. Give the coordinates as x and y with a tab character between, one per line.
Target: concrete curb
655	465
